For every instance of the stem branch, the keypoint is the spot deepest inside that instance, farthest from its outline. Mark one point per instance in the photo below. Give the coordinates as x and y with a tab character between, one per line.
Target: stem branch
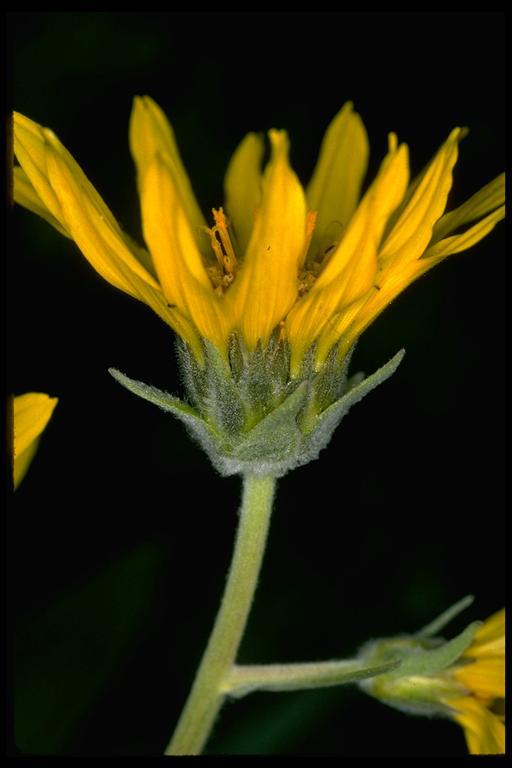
298	677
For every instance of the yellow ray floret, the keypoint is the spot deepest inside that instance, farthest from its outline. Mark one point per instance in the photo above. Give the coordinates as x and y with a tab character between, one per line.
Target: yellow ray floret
177	259
484	731
267	285
319	264
151	136
243	187
336	182
481	672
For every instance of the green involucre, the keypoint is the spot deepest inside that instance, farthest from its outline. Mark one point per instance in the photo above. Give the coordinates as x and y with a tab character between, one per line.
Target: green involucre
250	416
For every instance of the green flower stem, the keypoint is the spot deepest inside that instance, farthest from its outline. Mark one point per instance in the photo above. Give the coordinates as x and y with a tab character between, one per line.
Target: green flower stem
296	677
208	691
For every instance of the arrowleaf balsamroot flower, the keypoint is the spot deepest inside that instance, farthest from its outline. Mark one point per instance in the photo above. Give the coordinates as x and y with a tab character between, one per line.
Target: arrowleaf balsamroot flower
269	296
32	412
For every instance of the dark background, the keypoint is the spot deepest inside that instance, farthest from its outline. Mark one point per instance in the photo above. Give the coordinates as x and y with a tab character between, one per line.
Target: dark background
120	535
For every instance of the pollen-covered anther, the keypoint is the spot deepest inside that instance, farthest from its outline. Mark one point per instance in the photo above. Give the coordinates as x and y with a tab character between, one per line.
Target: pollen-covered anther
306	280
222	275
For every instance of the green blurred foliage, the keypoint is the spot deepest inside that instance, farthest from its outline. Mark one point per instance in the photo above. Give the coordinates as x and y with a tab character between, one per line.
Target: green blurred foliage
68	652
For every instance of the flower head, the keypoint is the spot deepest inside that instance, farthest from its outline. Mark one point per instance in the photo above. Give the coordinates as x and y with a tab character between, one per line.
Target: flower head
270	296
32	412
317	263
463	680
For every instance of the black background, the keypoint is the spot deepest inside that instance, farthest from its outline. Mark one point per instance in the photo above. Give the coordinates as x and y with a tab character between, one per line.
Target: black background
120	535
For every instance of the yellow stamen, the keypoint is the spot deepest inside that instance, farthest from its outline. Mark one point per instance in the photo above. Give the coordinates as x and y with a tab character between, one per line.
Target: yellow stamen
221	226
222	275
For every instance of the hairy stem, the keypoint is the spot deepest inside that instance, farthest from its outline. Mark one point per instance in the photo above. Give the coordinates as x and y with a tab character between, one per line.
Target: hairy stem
298	677
208	691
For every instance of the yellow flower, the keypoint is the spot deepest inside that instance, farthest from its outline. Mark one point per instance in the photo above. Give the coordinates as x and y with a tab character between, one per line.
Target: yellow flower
32	412
317	263
480	710
462	679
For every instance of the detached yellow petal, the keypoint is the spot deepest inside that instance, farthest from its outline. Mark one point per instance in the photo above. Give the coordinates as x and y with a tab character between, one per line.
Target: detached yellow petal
150	135
243	187
267	284
32	412
335	186
484	731
176	257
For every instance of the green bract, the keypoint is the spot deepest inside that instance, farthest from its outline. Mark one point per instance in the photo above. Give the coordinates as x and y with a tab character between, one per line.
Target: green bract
250	416
422	682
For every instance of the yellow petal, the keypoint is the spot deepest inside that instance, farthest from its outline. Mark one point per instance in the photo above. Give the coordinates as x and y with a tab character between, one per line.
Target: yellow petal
176	257
152	135
355	257
243	187
70	198
335	185
32	412
267	284
378	298
485	677
25	195
142	254
97	235
490	637
30	148
485	733
487	199
396	278
352	268
493	628
457	243
335	330
413	231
